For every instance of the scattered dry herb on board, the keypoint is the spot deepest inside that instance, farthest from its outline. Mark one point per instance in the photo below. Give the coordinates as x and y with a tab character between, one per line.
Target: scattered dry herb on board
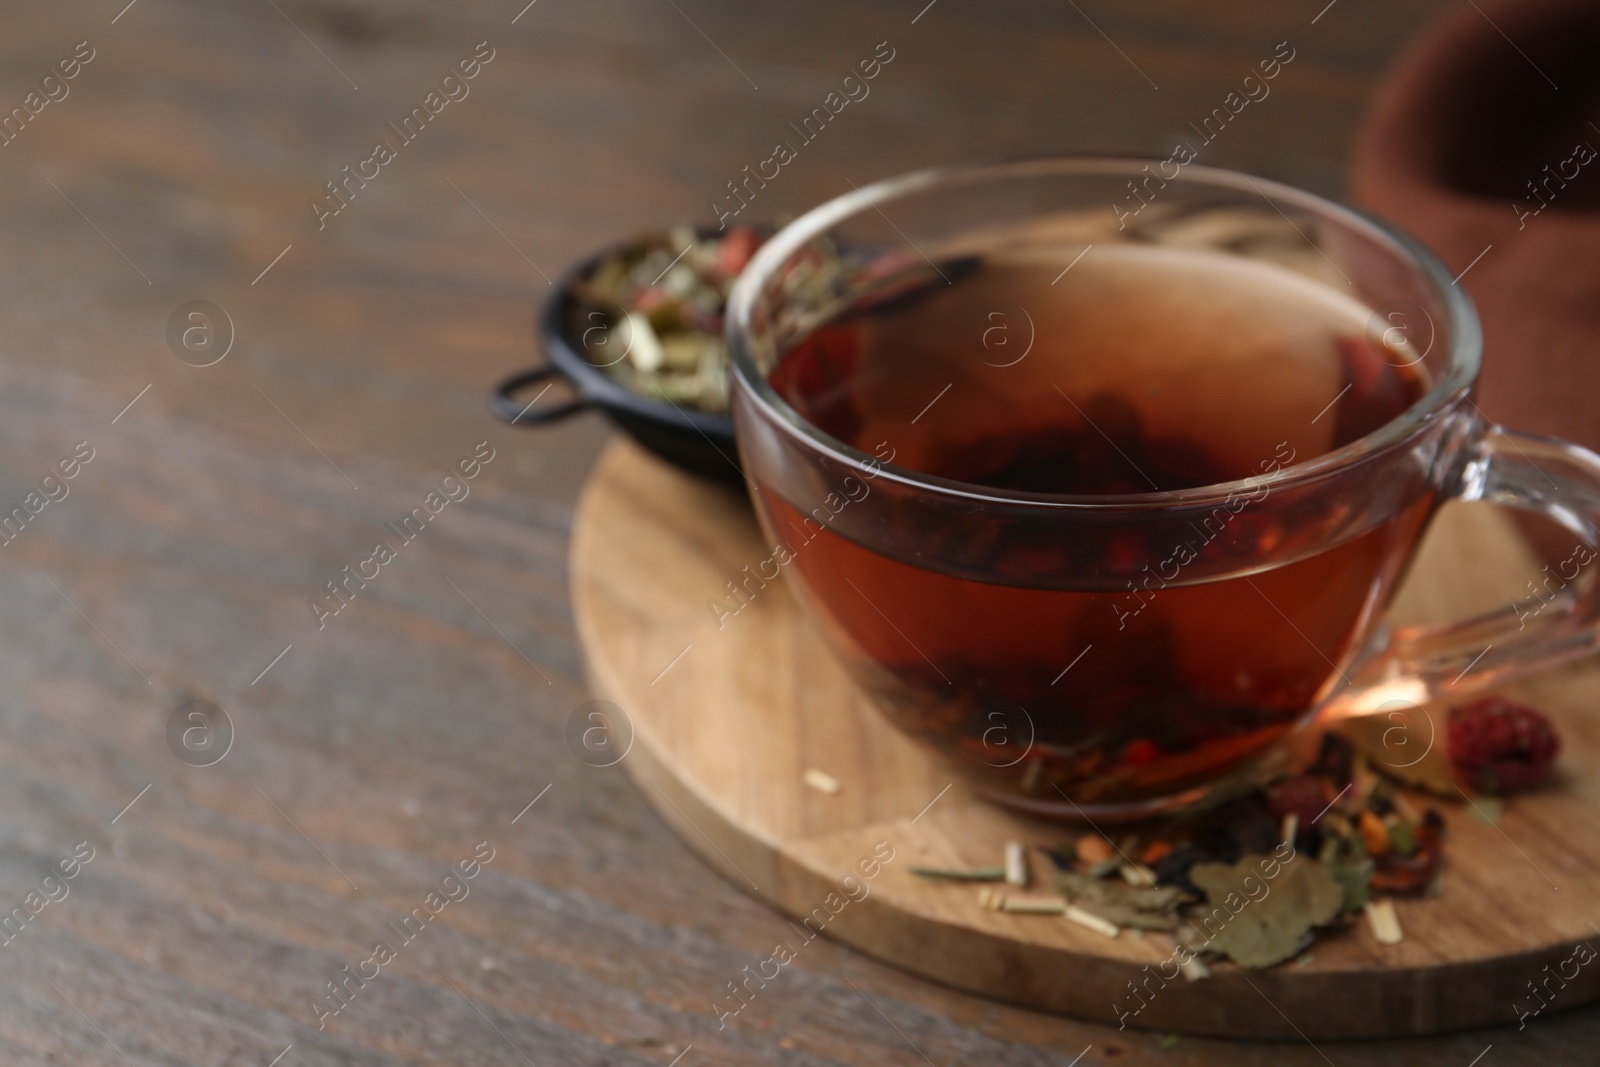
650	315
1253	880
1257	877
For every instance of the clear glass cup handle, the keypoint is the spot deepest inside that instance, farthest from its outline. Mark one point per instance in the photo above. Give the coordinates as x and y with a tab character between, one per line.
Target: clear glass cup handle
1417	664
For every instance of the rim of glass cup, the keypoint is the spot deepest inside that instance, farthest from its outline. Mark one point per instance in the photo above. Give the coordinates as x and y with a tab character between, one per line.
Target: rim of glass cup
1466	338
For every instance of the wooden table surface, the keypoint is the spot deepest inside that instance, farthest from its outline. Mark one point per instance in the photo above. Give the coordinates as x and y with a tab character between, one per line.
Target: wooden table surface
412	731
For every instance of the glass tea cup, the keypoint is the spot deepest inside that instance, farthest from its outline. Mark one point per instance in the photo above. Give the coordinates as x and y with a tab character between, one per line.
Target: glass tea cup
1143	643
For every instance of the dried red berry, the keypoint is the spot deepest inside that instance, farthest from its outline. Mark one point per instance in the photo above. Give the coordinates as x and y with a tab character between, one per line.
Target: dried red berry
1501	746
1305	796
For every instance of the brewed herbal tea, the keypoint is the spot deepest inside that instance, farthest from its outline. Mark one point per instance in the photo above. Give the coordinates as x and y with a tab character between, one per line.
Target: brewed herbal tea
1119	663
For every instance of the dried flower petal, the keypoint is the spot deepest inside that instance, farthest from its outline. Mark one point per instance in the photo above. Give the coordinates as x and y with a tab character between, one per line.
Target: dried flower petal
1374	835
1092	849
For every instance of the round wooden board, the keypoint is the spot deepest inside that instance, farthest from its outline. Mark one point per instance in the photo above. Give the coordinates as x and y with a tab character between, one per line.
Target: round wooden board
727	721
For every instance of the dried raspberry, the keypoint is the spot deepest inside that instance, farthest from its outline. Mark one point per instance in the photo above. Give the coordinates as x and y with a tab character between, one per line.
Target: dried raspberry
1305	796
1501	746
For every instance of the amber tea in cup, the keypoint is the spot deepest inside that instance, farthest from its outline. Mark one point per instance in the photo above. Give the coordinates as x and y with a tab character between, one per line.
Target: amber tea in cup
1101	512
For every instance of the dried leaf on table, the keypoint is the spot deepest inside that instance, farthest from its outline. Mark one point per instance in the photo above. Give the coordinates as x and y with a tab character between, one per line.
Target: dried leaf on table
1351	867
1146	908
1406	744
1273	925
976	874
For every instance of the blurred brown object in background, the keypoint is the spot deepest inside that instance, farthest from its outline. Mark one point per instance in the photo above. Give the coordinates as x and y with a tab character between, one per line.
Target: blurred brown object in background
1482	141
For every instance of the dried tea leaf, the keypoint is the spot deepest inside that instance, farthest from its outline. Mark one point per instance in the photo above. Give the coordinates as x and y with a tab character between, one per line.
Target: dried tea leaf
1154	898
1146	908
978	874
1274	925
1124	914
1074	884
1351	867
1105	867
1406	744
650	315
1077	886
1137	874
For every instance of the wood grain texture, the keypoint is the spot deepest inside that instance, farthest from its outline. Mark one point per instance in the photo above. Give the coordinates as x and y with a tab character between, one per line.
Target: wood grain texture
727	716
193	141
